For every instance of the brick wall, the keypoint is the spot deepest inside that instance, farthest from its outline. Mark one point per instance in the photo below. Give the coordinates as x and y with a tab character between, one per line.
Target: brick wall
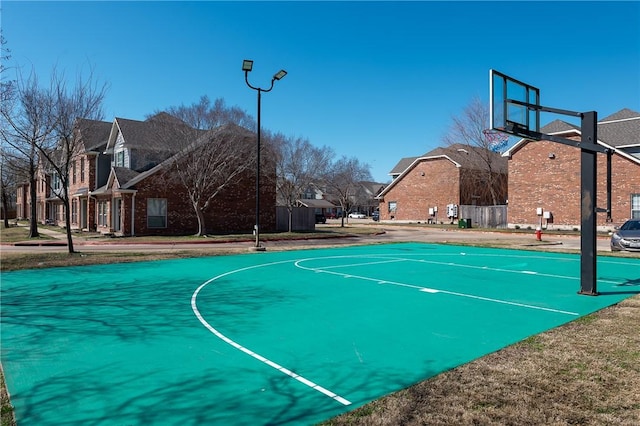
231	211
431	183
536	180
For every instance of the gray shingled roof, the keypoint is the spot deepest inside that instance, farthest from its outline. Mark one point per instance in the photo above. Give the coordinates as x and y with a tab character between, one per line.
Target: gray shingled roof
229	130
621	115
620	129
471	157
402	165
94	133
161	132
558	126
124	175
316	203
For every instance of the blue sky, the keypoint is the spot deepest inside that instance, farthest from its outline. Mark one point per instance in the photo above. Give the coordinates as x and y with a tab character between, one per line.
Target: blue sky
375	80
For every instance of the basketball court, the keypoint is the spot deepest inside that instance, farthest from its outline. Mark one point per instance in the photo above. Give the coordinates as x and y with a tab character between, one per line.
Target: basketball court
277	337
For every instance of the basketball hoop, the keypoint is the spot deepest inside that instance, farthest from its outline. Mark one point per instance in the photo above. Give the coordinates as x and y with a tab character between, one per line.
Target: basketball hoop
495	139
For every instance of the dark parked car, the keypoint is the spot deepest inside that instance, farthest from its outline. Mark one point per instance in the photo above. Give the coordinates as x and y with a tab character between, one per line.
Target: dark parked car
375	215
627	237
320	218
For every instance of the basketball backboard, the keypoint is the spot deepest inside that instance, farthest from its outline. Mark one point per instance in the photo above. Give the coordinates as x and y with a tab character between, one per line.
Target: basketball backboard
513	105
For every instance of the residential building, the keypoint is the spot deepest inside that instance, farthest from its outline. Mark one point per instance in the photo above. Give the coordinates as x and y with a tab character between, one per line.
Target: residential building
422	187
122	181
545	176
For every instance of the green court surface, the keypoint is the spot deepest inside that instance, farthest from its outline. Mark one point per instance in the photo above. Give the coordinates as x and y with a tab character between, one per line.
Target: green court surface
277	337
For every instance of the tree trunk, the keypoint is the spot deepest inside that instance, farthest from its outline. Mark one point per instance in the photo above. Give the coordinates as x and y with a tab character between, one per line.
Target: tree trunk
33	219
67	219
5	206
290	209
201	225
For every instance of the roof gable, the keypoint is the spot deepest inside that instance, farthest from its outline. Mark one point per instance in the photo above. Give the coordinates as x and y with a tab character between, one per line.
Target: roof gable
620	131
161	132
93	134
461	156
224	131
402	165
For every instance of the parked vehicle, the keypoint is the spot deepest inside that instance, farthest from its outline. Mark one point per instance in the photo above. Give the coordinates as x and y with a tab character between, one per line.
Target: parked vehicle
627	237
375	216
357	215
320	218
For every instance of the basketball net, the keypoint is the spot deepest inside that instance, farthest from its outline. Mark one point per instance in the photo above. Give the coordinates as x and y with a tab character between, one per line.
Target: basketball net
496	140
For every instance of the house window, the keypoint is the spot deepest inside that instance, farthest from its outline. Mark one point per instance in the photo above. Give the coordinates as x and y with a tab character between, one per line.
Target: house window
56	182
82	170
74	211
393	205
102	213
635	206
119	160
73	171
156	212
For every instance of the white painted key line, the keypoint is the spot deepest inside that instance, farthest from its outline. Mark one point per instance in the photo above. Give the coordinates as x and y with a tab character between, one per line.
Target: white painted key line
326	270
253	354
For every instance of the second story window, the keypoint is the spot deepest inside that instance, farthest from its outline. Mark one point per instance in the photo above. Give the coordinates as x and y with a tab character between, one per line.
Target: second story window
73	172
55	182
82	170
119	159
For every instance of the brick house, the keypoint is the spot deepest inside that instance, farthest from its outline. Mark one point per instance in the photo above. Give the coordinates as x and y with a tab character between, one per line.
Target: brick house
457	174
546	175
121	182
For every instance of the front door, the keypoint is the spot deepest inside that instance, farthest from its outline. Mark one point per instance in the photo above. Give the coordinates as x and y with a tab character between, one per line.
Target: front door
117	214
83	214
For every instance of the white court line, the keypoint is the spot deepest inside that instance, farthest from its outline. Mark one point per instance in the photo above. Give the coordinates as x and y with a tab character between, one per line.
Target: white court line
505	302
433	290
248	351
360	264
486	268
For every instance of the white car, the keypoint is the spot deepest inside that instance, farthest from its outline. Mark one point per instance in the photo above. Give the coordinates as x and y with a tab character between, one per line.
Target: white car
356	215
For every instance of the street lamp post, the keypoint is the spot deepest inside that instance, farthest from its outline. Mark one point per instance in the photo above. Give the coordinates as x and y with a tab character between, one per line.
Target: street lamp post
247	66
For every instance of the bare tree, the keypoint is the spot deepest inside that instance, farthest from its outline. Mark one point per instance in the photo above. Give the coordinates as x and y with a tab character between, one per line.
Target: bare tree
471	129
343	178
6	84
214	148
7	177
82	101
298	165
213	162
204	116
28	122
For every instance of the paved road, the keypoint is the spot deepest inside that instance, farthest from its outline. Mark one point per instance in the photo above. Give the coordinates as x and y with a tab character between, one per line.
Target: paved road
392	233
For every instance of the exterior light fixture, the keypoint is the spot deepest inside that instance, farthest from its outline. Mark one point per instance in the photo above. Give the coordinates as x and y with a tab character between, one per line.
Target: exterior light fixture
247	66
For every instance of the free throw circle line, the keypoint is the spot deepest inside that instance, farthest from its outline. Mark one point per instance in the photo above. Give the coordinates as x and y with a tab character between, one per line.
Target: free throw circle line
301	379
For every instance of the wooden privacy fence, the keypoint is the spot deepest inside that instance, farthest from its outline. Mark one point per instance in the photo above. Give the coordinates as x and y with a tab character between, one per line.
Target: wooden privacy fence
484	216
303	219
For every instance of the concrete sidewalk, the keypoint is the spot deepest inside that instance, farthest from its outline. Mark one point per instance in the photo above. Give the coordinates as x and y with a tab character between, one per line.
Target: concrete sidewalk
391	234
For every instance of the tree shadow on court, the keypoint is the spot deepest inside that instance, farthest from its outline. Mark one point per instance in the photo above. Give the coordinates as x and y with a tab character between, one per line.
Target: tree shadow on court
211	396
309	406
134	310
626	284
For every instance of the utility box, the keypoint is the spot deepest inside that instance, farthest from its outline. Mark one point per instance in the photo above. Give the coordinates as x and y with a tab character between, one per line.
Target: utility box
452	210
